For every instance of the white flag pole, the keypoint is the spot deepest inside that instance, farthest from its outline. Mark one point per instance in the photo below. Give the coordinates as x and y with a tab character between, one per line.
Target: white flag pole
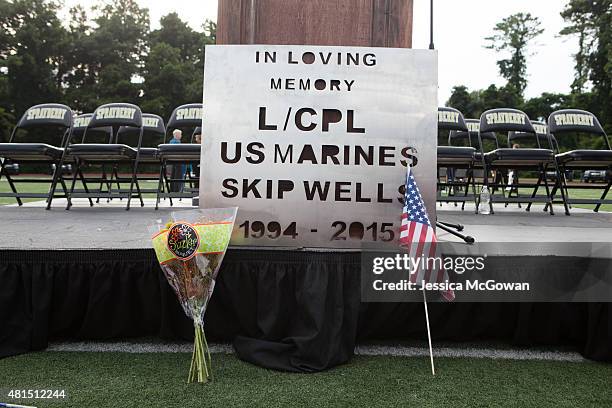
433	369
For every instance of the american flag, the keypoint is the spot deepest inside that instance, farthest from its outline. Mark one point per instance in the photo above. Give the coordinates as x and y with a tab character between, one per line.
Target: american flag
419	237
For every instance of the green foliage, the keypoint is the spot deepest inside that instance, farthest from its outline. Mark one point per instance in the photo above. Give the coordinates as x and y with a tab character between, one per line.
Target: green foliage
542	106
118	47
473	104
30	52
173	68
106	53
513	35
591	21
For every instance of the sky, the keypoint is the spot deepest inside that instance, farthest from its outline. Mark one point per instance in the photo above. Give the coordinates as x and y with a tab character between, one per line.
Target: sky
460	27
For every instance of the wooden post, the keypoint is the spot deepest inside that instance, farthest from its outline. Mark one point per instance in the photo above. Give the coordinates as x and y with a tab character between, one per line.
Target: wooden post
376	23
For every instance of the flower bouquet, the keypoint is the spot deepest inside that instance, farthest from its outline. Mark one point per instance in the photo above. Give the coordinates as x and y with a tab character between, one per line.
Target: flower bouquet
190	249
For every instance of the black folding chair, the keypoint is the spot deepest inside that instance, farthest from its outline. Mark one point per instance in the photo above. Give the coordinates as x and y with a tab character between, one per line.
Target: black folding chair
154	133
582	122
79	126
490	142
55	120
522	139
451	119
489	139
114	154
502	159
185	117
453	158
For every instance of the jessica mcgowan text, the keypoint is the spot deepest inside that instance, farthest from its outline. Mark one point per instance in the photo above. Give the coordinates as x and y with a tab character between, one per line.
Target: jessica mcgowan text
468	285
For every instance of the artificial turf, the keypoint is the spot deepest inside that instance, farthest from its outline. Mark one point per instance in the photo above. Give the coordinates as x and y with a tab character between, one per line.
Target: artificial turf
159	380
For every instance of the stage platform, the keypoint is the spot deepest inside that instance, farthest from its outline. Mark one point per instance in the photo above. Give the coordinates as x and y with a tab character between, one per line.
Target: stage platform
109	226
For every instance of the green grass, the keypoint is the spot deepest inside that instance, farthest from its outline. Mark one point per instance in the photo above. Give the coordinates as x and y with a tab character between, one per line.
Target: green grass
44	188
158	380
577	193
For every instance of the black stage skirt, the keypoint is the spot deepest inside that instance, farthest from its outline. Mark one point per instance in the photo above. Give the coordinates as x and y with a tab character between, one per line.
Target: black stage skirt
291	311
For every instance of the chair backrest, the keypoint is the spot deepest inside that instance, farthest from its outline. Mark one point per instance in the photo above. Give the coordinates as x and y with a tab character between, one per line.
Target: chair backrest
152	125
186	116
196	131
473	126
505	120
450	119
81	122
46	115
116	115
541	131
576	121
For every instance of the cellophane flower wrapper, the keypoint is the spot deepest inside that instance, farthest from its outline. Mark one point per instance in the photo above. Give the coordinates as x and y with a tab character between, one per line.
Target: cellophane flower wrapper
190	247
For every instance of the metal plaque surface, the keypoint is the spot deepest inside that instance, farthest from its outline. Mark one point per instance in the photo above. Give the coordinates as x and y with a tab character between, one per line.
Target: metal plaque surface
312	142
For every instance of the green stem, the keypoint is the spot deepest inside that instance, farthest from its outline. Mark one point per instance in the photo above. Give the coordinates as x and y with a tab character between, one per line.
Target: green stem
208	353
192	367
201	362
199	355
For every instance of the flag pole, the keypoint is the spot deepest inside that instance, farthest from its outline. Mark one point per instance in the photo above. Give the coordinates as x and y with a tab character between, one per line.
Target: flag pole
433	369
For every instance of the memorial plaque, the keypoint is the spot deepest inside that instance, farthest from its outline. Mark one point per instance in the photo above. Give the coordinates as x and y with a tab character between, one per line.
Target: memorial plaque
311	142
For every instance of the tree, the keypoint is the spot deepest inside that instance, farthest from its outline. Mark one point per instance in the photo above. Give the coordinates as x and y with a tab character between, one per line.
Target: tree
577	14
167	79
173	69
460	99
177	34
81	64
118	47
30	53
591	20
513	34
542	106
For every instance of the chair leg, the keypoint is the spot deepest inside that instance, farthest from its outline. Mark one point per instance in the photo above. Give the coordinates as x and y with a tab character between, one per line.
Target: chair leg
473	184
168	189
103	181
603	196
561	185
56	173
74	178
64	187
535	191
491	192
11	184
138	188
82	177
552	193
549	198
116	175
134	169
467	189
564	191
162	168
